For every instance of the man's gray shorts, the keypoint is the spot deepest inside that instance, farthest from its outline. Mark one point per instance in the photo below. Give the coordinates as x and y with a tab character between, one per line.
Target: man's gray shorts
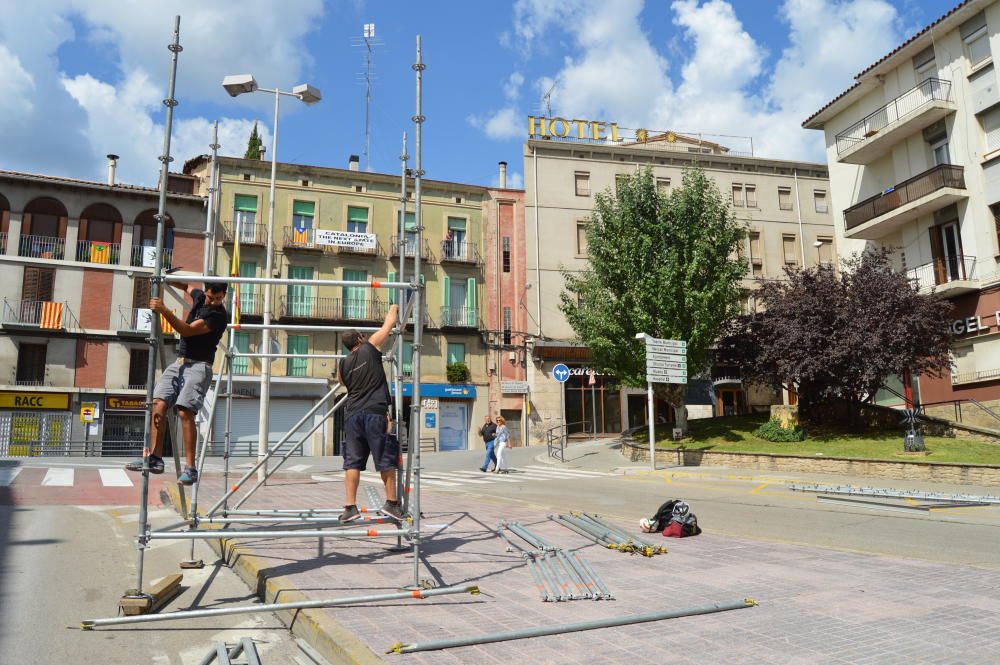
184	385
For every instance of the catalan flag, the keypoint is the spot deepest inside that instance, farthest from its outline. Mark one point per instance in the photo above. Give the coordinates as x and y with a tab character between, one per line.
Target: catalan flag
51	315
165	326
300	234
100	252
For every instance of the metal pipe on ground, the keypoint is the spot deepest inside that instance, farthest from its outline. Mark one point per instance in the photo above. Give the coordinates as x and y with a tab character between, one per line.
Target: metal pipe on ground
278	519
263	533
511	543
526	535
308	512
554	590
639	539
564	583
401	647
605	592
558	519
539	583
89	624
586	590
216	653
606	536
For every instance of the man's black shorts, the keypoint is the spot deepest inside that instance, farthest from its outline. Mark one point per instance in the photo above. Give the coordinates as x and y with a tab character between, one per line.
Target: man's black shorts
365	433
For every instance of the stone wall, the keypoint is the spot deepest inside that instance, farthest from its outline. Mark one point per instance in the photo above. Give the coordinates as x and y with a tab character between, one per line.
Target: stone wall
945	473
970	414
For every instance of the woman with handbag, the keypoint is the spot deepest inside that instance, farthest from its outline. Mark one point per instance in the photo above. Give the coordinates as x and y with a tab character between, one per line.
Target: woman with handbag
500	444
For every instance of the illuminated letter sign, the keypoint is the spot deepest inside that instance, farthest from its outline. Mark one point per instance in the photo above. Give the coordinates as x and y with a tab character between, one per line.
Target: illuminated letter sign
561	128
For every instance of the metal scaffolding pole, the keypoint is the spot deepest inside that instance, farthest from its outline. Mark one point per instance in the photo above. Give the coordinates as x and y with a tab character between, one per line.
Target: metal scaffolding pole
400	342
418	325
155	336
210	207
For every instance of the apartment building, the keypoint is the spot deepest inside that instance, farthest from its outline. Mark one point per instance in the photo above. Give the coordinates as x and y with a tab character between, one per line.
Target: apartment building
784	203
309	201
75	263
913	148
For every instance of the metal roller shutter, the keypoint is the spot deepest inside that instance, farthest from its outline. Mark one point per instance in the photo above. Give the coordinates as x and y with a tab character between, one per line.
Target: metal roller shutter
246	413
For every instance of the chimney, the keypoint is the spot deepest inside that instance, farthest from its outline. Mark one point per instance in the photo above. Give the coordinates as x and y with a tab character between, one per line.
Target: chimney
503	175
353	162
112	165
263	153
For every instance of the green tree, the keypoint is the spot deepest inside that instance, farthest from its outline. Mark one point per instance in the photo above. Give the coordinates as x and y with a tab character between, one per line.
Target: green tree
666	266
254	145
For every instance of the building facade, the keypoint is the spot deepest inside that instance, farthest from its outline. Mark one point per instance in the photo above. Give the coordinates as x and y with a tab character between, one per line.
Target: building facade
310	201
75	264
914	154
783	203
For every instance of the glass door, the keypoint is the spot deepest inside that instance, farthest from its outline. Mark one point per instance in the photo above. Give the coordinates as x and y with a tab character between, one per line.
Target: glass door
300	297
952	245
354	296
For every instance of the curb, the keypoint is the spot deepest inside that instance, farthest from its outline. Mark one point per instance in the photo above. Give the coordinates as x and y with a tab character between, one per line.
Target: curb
322	632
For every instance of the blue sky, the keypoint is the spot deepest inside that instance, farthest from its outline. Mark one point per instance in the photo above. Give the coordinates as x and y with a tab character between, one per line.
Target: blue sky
83	78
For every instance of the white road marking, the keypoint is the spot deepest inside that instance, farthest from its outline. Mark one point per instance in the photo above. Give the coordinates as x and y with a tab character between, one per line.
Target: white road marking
299	468
581	472
58	478
115	478
8	474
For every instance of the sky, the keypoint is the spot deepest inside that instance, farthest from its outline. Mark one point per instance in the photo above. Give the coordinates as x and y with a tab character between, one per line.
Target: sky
81	78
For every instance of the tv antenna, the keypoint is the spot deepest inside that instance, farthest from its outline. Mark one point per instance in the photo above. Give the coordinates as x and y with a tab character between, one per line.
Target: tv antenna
547	97
368	41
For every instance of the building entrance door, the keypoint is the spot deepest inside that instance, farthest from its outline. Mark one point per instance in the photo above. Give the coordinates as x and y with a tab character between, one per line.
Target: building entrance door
454	425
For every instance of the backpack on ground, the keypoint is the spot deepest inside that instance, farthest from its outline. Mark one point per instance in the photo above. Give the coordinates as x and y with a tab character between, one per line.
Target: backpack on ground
673	519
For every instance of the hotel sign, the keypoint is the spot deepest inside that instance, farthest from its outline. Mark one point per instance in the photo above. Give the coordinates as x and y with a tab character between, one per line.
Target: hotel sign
581	129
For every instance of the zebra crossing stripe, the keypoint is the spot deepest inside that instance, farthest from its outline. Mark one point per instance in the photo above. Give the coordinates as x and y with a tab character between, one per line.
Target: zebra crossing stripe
8	475
298	468
436	476
58	478
369	477
115	478
548	475
580	472
488	478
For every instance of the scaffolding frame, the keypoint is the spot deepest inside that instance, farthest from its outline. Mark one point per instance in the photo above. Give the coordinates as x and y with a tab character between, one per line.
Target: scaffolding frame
413	305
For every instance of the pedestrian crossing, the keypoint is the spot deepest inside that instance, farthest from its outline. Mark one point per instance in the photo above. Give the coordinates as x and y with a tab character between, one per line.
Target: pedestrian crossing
458	478
64	477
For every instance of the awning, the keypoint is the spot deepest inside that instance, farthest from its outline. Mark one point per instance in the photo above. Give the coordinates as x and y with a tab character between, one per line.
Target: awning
447	390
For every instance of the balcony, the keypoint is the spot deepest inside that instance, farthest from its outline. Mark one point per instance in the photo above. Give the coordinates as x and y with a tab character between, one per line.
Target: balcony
251	305
950	276
144	256
975	376
42	247
38	314
94	251
459	317
250	234
3	242
410	247
304	241
138	321
361	251
308	308
875	134
920	195
460	252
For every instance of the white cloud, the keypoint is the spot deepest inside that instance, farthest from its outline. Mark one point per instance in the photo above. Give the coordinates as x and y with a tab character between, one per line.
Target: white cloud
512	88
515	180
16	84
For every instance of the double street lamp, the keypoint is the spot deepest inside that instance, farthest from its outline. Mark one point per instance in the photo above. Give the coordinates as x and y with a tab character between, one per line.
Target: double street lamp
236	85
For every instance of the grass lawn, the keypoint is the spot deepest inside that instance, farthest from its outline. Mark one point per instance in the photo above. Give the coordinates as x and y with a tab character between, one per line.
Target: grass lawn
735	434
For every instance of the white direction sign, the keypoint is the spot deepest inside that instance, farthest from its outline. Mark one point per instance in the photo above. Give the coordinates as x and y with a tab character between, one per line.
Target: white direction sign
666	378
675	357
666	364
346	239
653	343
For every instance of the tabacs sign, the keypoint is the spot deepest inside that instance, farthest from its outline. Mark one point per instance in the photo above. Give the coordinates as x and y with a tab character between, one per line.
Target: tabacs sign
581	129
125	403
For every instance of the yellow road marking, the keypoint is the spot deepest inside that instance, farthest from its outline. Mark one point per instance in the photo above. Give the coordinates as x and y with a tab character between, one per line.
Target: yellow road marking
759	488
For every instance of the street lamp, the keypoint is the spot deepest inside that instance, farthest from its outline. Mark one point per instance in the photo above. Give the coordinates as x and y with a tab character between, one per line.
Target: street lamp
238	84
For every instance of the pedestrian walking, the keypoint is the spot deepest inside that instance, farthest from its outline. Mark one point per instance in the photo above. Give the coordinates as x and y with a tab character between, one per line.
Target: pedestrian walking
184	383
489	432
366	418
501	442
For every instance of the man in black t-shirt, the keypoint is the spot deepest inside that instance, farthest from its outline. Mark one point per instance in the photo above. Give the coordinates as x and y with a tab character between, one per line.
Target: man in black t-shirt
185	383
366	417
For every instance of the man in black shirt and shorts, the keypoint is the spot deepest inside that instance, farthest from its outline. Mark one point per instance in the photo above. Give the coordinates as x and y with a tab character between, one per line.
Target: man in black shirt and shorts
185	383
366	417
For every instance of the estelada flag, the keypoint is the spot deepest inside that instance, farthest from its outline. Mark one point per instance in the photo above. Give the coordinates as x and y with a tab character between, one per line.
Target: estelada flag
100	252
51	315
300	235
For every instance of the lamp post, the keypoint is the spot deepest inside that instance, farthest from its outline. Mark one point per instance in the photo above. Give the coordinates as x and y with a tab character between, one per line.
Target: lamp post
235	85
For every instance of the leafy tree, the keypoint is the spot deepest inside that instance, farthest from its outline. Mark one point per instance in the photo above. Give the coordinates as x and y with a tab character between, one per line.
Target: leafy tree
254	145
841	335
666	266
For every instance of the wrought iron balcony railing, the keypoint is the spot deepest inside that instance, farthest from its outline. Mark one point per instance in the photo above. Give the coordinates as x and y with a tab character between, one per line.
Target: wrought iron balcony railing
95	251
409	247
920	185
43	314
3	242
459	317
910	102
42	247
940	273
460	252
250	234
144	256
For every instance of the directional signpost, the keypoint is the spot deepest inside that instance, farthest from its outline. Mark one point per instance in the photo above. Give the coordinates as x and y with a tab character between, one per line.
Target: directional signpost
666	362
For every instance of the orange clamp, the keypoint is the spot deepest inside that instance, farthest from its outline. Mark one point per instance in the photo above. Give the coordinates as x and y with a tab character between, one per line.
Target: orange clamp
419	593
372	532
376	284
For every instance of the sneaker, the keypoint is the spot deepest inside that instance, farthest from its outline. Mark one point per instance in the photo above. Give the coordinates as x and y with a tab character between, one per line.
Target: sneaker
350	514
155	465
189	477
393	509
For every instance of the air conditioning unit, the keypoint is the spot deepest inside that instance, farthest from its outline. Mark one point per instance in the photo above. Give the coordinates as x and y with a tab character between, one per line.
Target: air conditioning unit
512	357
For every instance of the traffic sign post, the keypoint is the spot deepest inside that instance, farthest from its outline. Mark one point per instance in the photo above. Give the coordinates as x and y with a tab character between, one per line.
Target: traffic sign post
666	362
561	374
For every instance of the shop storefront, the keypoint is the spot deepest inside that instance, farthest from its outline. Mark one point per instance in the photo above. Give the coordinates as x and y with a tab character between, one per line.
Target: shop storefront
124	425
34	423
448	415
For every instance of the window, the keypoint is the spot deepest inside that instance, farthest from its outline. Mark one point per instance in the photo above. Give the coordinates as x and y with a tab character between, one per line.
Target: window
663	186
298	366
581	238
39	283
248	292
991	127
825	251
359	188
784	198
923	64
456	352
407	358
819	200
245	216
941	153
246	177
302	214
305	183
355	303
455	245
756	258
301	302
737	195
409	232
995	209
506	253
506	326
751	192
790	250
357	219
138	366
582	183
976	39
241	344
31	364
141	292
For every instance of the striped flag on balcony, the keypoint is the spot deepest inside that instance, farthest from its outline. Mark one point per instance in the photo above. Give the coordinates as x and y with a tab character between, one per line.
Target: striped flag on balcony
100	252
165	326
300	235
51	315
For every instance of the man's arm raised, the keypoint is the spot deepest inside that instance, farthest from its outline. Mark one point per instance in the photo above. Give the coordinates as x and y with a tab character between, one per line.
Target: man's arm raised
379	337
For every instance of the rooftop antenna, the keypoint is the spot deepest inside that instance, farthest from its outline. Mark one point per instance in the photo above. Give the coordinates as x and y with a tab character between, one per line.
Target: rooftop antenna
547	97
368	41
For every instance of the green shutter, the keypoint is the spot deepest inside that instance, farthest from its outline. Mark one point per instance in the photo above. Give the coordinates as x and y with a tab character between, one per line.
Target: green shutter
411	222
300	296
357	214
246	203
392	292
241	344
298	366
470	301
456	223
446	296
307	208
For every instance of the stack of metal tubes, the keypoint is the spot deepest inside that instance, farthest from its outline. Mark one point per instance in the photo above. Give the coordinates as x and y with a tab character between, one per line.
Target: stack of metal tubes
594	528
559	575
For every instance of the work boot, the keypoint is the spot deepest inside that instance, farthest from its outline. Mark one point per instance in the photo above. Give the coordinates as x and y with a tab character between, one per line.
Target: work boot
189	477
155	464
350	514
393	509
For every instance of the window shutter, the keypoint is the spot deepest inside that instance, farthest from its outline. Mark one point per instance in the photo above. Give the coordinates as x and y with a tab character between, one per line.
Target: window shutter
355	214
447	292
307	208
470	302
38	284
245	203
937	255
991	126
392	292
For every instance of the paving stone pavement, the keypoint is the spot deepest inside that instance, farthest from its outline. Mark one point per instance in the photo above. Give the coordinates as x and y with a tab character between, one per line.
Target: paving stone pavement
816	605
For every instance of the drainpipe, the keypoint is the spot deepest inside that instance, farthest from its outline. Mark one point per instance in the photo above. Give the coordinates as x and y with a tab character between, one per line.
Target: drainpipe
538	267
798	213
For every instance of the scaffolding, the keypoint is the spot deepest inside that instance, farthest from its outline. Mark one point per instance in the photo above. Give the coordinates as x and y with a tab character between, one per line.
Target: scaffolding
288	522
